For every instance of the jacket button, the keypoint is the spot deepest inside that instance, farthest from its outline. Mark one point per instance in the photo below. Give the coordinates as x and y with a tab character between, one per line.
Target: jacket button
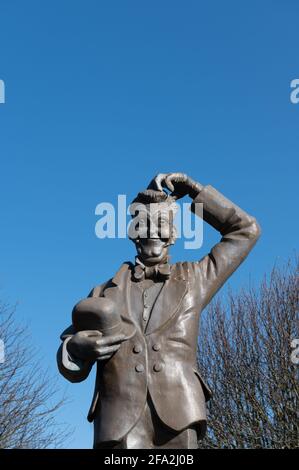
157	367
137	349
139	368
156	347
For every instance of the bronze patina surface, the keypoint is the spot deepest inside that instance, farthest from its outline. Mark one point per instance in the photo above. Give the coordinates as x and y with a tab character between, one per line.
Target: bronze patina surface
148	391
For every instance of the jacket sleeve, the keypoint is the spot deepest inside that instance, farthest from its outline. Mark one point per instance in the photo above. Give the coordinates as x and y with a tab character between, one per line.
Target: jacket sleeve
239	232
73	369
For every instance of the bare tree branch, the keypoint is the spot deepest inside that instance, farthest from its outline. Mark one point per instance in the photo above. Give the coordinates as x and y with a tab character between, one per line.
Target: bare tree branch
28	395
245	351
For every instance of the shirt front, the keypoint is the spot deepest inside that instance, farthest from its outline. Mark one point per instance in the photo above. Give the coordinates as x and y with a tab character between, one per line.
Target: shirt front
148	291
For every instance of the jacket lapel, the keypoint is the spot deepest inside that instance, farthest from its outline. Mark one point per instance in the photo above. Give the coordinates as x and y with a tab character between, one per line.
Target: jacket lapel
165	307
118	289
168	301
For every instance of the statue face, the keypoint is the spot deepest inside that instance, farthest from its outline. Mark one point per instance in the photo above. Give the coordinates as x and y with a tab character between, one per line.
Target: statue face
154	229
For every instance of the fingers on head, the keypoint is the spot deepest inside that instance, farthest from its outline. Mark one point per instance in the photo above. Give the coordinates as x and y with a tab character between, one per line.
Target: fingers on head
168	183
159	179
166	180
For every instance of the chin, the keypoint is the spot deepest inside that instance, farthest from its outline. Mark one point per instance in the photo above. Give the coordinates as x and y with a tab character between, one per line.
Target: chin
152	259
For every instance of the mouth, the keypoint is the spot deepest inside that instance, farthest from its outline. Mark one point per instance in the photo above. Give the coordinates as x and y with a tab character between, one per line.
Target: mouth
152	241
151	247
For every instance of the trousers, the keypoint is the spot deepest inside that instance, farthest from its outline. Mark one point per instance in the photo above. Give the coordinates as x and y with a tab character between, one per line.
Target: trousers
151	433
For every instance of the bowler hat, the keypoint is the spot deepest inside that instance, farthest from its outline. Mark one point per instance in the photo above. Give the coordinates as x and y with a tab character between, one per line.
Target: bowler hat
100	313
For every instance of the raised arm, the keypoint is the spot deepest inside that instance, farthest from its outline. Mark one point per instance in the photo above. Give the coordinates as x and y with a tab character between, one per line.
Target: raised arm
239	231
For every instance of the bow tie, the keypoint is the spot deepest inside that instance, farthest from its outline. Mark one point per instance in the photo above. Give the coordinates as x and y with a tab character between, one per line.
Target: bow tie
159	272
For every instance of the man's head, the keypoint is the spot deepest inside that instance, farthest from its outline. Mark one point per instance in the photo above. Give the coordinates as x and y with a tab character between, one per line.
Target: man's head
152	228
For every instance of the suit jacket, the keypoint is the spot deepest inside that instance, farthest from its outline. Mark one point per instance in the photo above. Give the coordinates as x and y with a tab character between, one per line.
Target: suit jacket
162	359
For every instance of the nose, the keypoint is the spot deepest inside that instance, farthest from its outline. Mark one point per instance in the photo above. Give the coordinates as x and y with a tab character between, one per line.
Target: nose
153	230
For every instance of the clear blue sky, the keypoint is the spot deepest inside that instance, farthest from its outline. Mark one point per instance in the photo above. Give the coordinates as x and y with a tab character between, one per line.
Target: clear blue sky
101	96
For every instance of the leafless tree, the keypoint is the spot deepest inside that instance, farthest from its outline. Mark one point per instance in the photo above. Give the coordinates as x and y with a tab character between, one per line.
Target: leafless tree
245	352
28	402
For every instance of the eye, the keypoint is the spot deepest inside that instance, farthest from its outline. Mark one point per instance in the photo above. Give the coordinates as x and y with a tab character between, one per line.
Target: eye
141	227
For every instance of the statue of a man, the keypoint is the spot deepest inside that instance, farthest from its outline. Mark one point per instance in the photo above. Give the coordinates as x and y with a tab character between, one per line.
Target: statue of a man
148	391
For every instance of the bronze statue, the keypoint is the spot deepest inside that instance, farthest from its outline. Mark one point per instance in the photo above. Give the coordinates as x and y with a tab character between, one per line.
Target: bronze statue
141	327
